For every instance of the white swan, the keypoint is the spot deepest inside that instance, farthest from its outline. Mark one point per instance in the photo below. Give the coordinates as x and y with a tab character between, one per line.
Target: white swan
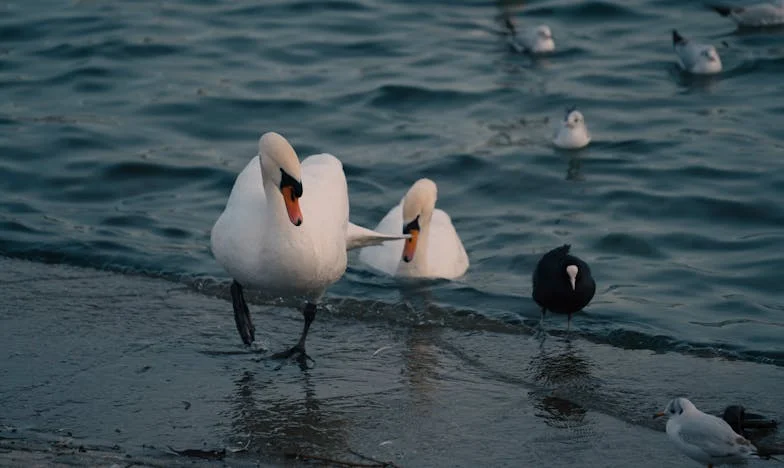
434	249
285	231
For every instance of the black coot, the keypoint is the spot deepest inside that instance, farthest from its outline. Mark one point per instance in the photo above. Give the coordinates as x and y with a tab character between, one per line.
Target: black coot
562	282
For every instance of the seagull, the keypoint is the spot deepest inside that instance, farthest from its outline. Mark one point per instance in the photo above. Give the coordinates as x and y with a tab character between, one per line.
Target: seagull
704	438
700	59
572	132
285	231
562	283
538	40
753	16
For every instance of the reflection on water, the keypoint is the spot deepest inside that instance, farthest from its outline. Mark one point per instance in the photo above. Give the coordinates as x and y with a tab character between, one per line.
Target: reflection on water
565	370
562	364
269	418
573	169
421	364
558	412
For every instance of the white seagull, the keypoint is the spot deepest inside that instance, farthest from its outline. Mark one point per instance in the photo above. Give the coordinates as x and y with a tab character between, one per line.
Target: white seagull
572	132
285	231
538	40
700	59
434	249
754	16
703	437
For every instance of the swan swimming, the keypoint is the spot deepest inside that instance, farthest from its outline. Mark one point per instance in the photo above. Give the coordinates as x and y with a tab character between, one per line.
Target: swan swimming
285	231
434	249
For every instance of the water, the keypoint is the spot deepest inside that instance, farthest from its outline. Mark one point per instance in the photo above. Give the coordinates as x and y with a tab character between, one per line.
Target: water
123	125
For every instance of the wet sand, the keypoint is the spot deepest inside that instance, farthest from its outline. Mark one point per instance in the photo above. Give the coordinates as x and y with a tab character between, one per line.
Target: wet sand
102	368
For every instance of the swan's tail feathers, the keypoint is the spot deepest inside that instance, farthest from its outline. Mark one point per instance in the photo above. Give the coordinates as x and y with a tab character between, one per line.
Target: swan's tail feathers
358	237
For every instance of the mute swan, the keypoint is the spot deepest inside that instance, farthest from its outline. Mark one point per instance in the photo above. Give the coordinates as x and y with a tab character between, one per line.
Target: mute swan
434	249
700	59
562	283
285	231
703	437
572	132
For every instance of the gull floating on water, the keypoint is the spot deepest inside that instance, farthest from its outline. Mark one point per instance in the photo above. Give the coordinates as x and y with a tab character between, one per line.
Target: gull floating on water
285	231
754	16
538	40
562	283
434	249
700	59
703	437
572	132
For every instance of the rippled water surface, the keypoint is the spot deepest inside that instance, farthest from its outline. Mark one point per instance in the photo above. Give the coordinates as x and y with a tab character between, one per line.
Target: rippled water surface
123	125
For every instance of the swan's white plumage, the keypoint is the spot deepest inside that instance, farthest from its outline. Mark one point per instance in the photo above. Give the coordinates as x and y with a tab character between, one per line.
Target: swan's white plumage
257	244
439	253
260	248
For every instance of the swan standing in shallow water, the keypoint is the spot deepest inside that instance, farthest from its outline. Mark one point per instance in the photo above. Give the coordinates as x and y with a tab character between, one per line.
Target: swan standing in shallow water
285	231
434	249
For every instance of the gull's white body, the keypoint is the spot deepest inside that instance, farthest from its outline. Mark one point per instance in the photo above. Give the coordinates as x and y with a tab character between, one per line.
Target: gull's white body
700	59
258	246
572	133
538	40
439	253
757	15
706	438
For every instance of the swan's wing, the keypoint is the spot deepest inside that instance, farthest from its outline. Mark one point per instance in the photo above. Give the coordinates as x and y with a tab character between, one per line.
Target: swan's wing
446	256
386	257
236	237
358	237
324	203
713	436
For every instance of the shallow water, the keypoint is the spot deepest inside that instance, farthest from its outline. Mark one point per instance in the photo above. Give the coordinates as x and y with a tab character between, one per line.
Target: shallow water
123	125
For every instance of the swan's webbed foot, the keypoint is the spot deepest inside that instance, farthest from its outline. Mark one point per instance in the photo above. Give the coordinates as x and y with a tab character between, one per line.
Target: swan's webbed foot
297	352
242	315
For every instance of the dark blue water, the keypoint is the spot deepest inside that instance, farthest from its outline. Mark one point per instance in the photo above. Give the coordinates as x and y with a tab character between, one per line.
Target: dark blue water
123	125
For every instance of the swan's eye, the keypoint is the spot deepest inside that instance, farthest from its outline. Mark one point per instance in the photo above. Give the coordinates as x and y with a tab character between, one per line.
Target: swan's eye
288	181
412	226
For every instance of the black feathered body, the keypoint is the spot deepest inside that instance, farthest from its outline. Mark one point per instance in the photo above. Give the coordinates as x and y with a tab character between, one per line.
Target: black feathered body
552	289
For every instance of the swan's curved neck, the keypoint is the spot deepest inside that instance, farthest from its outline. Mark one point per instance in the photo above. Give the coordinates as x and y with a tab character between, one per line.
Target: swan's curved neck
276	209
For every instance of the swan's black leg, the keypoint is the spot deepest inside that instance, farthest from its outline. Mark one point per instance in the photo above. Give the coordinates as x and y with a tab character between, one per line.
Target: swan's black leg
298	350
242	314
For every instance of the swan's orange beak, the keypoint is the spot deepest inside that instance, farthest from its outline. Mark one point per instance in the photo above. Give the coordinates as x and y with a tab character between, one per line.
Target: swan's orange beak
410	247
292	205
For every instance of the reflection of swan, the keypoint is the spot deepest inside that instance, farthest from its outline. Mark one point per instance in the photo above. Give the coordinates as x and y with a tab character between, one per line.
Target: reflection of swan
285	230
277	421
434	249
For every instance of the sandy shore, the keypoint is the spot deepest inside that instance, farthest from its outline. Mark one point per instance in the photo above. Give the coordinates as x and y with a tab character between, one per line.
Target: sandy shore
104	369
